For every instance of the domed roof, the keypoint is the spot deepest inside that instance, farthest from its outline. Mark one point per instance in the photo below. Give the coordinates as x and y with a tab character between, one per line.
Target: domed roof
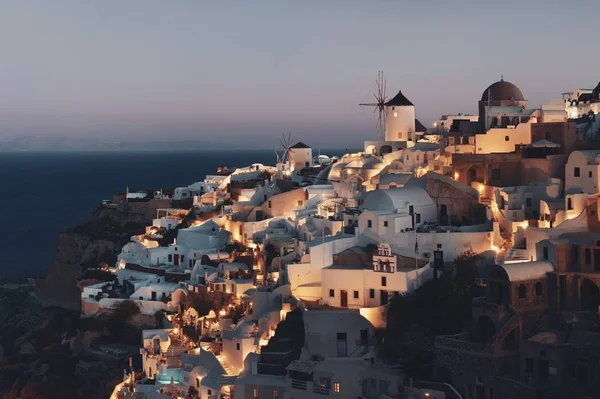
502	90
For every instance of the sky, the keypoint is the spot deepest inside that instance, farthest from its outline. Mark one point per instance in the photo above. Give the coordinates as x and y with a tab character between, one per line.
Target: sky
243	72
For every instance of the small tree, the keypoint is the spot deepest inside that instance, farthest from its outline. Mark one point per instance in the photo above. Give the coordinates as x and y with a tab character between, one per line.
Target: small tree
201	302
126	309
192	392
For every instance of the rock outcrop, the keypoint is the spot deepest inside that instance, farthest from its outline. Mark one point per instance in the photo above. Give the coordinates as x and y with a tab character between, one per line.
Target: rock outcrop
97	240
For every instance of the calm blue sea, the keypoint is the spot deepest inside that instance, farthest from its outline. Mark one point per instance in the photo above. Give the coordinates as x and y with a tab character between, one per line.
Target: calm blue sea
44	194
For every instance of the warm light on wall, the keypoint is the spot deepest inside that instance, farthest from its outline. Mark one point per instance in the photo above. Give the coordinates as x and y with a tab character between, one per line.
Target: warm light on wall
456	175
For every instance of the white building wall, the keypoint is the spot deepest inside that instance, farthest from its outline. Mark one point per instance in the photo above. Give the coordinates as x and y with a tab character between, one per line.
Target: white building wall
503	140
399	122
588	180
320	256
234	356
301	157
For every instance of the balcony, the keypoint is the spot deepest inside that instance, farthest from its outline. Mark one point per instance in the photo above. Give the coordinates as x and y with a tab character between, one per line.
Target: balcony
297	384
384	268
320	391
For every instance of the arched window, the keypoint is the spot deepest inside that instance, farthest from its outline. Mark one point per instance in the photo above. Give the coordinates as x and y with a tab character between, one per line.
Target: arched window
522	291
539	289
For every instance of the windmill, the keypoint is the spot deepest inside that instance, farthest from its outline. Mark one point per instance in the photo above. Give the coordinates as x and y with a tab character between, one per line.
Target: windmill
379	104
286	144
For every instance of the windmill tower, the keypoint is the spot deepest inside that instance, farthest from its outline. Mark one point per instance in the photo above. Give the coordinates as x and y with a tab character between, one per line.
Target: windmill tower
379	104
283	160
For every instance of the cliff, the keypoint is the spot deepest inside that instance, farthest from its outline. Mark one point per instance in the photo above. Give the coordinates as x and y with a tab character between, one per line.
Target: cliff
99	239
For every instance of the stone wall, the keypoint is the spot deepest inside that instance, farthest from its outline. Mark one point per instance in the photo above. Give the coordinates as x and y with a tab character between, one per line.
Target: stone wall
460	205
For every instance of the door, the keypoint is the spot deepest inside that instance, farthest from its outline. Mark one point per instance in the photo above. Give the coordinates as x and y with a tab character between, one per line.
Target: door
154	295
364	337
176	260
597	260
384	297
342	344
562	291
344	300
443	214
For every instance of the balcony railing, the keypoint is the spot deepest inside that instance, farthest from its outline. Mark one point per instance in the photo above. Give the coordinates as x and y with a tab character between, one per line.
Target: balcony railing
383	269
297	384
320	391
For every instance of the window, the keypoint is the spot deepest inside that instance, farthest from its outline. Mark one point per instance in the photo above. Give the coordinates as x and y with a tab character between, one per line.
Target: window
576	172
170	257
417	218
528	365
548	136
300	203
588	256
385	223
383	387
369	223
409	136
411	209
496	174
270	204
590	173
371	293
417	157
324	382
522	291
582	374
336	387
543	370
355	294
209	391
545	253
539	289
569	204
331	293
255	393
399	135
384	281
275	393
528	202
237	346
506	138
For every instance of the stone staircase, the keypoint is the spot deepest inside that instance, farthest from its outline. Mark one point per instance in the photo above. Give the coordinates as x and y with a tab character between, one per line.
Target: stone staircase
227	379
175	350
228	369
515	255
510	324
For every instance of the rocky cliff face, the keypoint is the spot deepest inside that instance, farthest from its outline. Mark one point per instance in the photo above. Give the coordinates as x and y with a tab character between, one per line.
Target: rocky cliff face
97	240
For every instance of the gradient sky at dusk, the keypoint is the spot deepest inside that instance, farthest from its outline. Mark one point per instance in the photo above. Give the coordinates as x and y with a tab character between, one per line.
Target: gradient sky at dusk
249	70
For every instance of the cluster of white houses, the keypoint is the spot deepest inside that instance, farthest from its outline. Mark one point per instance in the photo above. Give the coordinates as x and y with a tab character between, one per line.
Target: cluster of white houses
302	258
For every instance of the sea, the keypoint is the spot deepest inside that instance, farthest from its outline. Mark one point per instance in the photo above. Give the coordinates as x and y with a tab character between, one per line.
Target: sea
43	194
